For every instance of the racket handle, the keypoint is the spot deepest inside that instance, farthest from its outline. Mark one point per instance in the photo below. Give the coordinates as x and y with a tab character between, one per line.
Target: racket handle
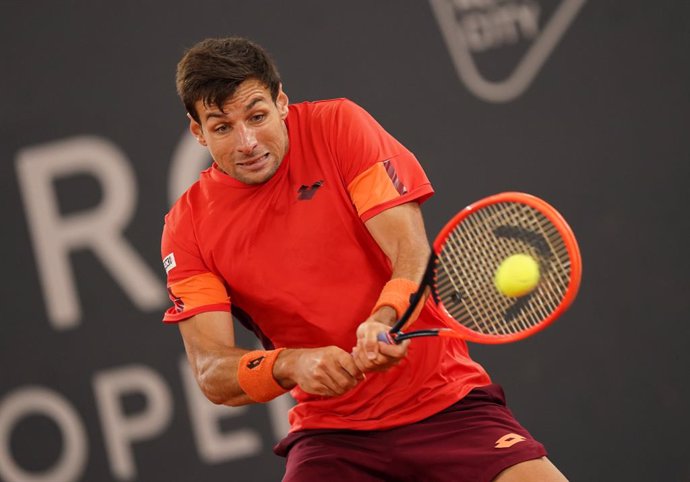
397	338
385	337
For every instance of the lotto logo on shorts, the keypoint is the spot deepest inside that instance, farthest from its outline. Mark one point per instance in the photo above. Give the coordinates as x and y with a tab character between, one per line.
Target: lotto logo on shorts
169	262
509	440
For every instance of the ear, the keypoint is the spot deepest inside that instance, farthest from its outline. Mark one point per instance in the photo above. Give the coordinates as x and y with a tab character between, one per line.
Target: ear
196	130
282	102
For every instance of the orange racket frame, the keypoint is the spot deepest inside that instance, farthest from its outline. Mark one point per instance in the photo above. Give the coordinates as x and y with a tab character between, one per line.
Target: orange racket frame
557	229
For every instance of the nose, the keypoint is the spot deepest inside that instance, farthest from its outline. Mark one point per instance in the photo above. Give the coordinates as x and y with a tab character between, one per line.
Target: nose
246	139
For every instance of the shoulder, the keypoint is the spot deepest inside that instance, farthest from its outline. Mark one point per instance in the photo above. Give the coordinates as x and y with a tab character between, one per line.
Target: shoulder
329	108
331	119
182	211
178	214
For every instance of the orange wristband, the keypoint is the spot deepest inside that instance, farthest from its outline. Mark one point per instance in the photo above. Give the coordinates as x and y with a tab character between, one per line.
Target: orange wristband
255	375
396	294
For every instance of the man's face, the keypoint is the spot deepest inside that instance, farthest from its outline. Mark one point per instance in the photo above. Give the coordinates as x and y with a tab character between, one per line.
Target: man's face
248	138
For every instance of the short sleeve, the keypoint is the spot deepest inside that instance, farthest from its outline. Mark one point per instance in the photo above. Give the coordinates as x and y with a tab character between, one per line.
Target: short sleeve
192	287
378	170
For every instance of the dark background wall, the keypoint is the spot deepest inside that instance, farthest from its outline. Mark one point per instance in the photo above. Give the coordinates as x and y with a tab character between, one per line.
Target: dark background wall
600	130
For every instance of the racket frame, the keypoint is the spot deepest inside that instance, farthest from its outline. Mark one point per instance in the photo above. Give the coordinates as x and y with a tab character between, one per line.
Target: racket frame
457	330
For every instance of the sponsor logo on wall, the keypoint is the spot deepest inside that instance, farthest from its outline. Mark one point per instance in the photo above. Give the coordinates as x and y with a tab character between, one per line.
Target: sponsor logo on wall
499	46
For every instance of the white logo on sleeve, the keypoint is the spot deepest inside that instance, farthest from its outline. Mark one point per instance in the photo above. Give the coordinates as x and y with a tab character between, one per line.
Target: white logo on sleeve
169	262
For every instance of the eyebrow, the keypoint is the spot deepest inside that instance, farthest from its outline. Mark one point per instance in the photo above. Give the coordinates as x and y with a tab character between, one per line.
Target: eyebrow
248	107
255	100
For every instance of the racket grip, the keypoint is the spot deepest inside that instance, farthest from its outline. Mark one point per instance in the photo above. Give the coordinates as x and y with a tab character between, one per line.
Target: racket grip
385	337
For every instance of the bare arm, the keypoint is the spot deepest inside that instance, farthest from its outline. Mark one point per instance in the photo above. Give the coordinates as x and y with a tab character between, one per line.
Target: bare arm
209	341
400	233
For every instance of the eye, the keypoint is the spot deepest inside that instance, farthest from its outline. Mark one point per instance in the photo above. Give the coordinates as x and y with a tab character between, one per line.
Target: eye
220	128
258	117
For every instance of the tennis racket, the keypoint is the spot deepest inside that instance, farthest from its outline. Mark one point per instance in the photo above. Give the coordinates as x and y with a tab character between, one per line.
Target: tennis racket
465	257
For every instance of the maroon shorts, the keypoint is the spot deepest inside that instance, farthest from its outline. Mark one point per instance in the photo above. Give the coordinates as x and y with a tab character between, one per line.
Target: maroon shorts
472	440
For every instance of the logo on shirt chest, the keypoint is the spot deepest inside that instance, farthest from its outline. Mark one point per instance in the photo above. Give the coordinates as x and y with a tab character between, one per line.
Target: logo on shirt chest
305	193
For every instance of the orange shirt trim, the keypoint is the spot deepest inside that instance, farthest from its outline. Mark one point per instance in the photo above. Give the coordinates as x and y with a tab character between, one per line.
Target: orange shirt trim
371	188
202	292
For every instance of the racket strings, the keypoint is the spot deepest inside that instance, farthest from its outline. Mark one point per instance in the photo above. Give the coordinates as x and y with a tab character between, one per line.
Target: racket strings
474	249
454	264
540	234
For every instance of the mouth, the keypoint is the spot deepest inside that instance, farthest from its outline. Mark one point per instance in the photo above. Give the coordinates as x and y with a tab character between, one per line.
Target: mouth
255	163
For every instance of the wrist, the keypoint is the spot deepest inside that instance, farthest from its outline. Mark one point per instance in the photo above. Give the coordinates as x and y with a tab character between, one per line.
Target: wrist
396	295
386	315
283	368
255	375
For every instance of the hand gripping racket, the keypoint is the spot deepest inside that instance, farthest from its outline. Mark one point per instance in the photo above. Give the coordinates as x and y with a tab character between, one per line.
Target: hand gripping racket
465	257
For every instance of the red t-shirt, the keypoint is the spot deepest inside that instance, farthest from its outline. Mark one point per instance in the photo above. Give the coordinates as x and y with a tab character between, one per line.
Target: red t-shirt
294	260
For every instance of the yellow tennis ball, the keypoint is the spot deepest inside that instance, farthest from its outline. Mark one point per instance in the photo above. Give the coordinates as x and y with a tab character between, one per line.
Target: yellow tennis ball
517	275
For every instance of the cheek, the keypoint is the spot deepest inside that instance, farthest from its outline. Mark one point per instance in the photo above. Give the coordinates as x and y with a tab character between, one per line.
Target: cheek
280	135
268	137
220	145
218	151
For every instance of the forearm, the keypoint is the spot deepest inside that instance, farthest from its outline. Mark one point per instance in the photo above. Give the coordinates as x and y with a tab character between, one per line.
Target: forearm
226	376
216	373
209	342
409	264
400	233
410	257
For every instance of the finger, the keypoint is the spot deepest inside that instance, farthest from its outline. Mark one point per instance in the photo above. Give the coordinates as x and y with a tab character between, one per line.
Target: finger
350	366
318	388
368	365
361	360
338	378
326	386
394	351
389	356
369	342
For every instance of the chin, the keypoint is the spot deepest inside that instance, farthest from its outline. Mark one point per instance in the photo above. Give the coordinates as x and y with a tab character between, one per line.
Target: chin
261	177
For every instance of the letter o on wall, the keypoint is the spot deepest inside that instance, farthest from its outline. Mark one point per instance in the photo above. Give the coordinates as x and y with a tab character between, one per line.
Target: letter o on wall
28	401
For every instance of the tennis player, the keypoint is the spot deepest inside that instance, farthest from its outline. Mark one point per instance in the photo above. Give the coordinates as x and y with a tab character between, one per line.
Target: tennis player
307	228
